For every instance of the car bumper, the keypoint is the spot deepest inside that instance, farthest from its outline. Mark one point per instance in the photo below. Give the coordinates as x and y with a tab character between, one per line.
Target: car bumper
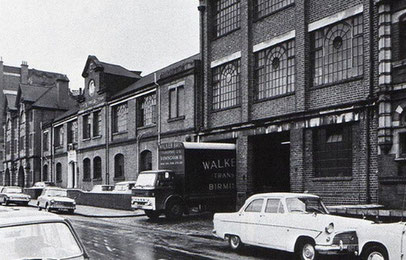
337	249
18	200
62	207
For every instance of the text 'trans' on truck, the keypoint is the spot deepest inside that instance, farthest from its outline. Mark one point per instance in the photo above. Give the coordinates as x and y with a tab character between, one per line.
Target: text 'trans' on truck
191	175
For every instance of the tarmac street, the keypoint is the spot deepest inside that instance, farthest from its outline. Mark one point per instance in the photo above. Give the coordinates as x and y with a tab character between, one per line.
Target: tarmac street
113	234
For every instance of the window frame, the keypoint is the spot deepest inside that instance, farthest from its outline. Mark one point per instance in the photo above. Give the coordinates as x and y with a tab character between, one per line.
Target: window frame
180	100
97	168
222	11
142	119
269	11
119	118
251	202
87	169
86	127
117	167
97	123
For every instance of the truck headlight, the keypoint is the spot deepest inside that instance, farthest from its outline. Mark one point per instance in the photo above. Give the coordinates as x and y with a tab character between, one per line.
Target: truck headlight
330	228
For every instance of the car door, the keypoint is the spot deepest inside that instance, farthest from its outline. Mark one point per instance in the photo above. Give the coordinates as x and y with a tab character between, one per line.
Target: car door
249	219
273	226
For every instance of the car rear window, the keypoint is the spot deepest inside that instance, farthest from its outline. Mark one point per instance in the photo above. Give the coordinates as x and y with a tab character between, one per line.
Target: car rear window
255	206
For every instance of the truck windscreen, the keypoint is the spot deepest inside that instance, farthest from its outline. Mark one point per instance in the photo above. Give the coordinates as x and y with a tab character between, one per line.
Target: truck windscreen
146	180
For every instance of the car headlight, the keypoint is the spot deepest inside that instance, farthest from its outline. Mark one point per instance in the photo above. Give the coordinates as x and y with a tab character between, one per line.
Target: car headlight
52	202
330	228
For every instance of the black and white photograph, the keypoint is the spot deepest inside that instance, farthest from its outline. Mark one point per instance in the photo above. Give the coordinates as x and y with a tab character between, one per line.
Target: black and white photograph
203	129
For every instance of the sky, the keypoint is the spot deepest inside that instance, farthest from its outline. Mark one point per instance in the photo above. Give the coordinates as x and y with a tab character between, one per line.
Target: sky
58	36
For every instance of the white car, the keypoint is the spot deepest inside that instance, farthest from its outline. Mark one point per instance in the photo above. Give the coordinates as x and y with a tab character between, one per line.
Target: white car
55	199
300	223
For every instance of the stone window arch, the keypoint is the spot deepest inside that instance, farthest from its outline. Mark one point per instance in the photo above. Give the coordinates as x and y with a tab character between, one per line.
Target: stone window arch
146	160
119	166
97	168
86	169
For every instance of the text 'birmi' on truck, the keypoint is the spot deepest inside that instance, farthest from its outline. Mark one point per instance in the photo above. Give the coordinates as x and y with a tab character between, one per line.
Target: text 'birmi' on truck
190	175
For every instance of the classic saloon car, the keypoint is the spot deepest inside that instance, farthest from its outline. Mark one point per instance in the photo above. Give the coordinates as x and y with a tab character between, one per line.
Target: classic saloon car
15	195
55	199
28	234
300	223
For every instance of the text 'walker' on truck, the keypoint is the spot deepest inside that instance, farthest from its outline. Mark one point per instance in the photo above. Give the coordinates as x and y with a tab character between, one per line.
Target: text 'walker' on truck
191	175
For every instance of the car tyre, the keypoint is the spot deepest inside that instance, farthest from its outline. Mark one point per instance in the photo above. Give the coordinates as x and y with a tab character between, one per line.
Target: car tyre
377	252
174	210
152	214
235	242
6	202
306	250
71	211
47	208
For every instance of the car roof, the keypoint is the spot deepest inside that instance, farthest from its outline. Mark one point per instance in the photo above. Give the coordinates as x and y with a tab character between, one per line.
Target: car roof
125	182
13	187
53	188
284	195
155	171
11	217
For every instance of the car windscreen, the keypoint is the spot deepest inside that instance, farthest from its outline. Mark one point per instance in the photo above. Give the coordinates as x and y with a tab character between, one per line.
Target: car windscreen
12	190
57	193
305	205
38	241
145	180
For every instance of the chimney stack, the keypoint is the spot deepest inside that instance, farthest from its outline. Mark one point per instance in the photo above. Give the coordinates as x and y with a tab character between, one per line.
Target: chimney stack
62	88
24	72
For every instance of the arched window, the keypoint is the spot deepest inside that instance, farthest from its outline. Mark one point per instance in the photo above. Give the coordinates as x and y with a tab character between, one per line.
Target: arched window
226	85
58	172
97	168
7	178
86	169
146	161
119	166
45	172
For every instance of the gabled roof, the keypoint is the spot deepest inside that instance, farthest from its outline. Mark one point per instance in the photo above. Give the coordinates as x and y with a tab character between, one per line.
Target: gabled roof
150	78
50	100
109	68
31	93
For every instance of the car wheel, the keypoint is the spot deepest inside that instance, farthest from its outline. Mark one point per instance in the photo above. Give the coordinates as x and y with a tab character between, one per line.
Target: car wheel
6	202
47	208
375	252
152	214
307	251
174	210
235	242
70	211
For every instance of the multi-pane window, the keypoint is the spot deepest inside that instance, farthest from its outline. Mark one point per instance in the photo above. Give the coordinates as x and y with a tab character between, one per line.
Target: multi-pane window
226	85
265	7
275	71
176	102
119	166
72	132
86	127
120	118
97	168
59	135
86	169
58	172
402	37
146	111
226	16
338	51
333	151
96	123
45	141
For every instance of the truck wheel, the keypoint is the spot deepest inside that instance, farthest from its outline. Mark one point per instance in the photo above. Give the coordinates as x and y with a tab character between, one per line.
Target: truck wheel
375	252
174	210
152	214
235	242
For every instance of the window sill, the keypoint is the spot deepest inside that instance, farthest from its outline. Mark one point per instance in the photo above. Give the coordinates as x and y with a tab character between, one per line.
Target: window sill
274	97
146	127
398	64
119	178
97	179
224	109
120	133
401	158
336	83
225	34
179	118
97	137
323	179
86	139
273	12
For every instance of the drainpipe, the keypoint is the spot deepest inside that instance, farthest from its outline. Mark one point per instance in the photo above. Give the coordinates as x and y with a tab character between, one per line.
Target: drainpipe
158	92
107	136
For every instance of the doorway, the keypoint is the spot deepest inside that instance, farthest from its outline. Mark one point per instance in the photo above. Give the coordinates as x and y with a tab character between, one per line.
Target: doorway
71	175
271	162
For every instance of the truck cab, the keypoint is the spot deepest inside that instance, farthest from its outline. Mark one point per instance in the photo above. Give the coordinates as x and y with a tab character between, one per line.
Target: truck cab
152	190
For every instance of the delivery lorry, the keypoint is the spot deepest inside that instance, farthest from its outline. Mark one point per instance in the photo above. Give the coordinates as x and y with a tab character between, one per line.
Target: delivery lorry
190	175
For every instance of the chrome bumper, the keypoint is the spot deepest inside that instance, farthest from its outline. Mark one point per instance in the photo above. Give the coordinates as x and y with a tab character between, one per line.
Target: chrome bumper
337	249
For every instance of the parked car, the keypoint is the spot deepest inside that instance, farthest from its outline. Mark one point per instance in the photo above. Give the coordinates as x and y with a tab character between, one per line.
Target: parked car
36	235
56	199
301	223
102	188
124	187
43	184
15	195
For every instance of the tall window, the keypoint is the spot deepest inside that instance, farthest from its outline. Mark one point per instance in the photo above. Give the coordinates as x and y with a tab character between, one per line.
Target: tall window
333	151
338	51
265	7
31	142
86	169
402	37
146	110
97	168
119	166
176	102
226	85
275	70
96	123
226	16
73	132
22	142
146	161
86	127
58	172
45	142
45	172
8	147
120	118
59	135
